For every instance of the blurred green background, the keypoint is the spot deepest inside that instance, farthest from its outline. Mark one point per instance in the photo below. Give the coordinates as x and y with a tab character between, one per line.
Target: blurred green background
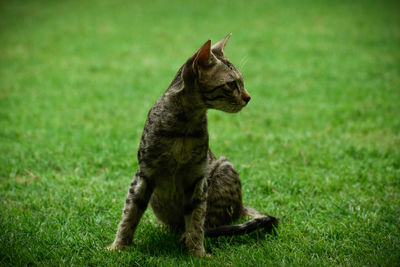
317	146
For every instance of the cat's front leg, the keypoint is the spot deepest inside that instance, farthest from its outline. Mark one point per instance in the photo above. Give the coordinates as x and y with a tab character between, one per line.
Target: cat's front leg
135	204
195	212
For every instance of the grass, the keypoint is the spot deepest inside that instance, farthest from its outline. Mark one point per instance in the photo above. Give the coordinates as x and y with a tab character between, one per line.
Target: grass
318	145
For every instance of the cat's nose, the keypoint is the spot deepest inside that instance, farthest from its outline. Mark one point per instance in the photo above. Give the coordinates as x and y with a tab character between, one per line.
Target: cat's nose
246	97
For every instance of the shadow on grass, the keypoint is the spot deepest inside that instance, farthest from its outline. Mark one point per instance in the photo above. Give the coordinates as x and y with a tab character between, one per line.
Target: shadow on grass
249	239
158	243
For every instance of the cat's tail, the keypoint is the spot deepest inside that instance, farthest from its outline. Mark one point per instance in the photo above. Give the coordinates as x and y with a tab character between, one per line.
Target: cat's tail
267	222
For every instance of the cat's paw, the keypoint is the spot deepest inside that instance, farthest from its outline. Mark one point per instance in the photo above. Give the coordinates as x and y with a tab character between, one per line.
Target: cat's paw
115	247
194	245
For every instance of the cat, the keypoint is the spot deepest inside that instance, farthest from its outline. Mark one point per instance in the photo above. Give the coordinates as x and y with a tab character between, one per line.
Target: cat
189	189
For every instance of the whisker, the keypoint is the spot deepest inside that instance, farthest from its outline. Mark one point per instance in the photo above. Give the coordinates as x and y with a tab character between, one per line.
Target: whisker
243	62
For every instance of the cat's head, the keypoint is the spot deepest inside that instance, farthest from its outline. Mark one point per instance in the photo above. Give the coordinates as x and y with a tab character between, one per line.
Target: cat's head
219	83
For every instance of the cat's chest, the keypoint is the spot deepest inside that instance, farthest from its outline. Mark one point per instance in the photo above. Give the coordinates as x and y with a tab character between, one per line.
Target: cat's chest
188	149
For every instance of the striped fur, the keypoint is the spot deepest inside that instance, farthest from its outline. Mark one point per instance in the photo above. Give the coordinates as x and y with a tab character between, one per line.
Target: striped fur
187	187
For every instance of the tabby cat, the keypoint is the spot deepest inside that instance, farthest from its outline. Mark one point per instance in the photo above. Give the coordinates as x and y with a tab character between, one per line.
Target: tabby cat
189	188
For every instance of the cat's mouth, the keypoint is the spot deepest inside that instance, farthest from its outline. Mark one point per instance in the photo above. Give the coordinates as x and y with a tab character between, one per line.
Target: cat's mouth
235	108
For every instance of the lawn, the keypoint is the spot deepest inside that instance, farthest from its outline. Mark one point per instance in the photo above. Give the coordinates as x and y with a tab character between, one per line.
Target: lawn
318	145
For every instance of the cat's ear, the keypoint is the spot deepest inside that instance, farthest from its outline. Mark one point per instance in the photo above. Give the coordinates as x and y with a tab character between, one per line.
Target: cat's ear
218	48
204	57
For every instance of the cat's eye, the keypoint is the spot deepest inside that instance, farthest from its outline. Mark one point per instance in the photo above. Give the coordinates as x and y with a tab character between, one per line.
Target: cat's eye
233	85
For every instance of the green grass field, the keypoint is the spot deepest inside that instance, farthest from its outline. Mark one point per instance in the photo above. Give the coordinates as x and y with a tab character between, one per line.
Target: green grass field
318	145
